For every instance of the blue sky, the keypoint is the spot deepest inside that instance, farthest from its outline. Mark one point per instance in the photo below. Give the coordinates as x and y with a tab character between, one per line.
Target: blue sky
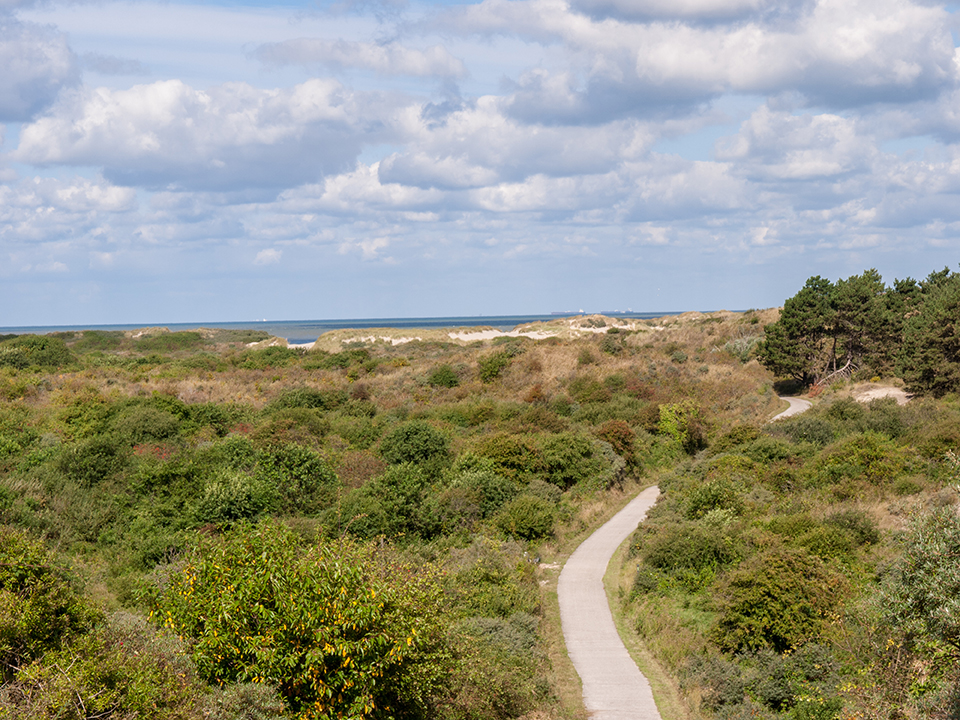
189	162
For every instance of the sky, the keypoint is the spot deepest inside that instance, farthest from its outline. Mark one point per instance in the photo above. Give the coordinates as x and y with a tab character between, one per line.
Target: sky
231	161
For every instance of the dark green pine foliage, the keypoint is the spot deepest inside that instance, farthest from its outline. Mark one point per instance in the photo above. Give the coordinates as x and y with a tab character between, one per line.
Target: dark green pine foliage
929	360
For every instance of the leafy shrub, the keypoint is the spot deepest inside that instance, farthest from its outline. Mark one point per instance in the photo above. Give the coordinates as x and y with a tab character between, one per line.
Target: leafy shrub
414	442
140	424
268	357
39	609
691	547
683	422
124	668
527	517
620	436
360	432
99	340
544	490
320	360
301	426
303	482
717	494
335	629
389	505
585	389
856	523
491	366
512	456
230	496
807	427
779	599
443	376
740	435
25	351
868	455
91	461
494	490
570	459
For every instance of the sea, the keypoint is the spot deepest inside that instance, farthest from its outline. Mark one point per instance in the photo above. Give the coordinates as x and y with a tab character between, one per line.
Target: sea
307	331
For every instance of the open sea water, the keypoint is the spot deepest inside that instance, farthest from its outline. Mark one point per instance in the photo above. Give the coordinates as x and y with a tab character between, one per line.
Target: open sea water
307	331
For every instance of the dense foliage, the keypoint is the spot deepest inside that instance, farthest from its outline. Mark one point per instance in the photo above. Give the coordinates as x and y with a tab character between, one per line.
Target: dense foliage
859	325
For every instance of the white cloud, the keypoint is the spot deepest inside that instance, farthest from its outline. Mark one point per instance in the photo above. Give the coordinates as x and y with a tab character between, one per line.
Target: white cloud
231	136
35	63
269	256
387	59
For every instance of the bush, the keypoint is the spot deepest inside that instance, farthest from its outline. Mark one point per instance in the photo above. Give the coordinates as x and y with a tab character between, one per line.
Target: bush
243	701
169	342
868	455
338	631
443	376
527	517
690	547
779	599
494	490
92	461
303	482
512	456
39	609
230	496
491	366
140	424
718	494
570	459
683	422
414	442
25	351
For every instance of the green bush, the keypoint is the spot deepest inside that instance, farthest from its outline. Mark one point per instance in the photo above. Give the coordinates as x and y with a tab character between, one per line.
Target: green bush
90	462
266	358
169	342
336	629
718	494
230	496
39	609
683	421
869	456
243	701
527	517
493	490
690	547
303	482
779	598
414	442
25	351
140	424
570	459
491	366
857	524
123	669
389	505
513	456
443	376
807	427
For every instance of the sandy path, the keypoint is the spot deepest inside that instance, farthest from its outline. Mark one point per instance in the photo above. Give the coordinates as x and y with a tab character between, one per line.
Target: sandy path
797	406
613	687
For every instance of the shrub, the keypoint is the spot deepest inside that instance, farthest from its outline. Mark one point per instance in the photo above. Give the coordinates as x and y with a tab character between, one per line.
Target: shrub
140	424
39	609
169	342
527	517
512	456
123	669
620	436
807	428
779	598
338	631
857	524
443	376
718	494
302	480
494	490
360	432
243	701
683	422
268	357
230	496
690	547
491	366
389	505
25	351
414	442
570	459
868	455
91	461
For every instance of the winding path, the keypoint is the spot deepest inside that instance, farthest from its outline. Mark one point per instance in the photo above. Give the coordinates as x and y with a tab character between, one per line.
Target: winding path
797	406
613	687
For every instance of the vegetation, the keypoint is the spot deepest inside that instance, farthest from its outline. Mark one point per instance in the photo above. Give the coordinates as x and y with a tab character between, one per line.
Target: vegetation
213	525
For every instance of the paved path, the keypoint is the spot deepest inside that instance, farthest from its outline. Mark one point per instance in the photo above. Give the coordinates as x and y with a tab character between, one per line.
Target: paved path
613	687
797	406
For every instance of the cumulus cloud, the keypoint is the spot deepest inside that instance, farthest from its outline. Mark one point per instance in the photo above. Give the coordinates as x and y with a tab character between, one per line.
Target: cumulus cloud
168	134
386	59
840	53
36	63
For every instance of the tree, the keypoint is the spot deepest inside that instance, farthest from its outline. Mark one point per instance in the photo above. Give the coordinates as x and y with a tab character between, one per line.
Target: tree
929	359
797	345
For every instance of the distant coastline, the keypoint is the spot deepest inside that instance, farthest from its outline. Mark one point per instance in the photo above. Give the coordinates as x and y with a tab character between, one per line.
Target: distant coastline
307	331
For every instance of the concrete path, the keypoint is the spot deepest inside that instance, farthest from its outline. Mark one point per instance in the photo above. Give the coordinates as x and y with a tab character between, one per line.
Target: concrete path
613	687
797	406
